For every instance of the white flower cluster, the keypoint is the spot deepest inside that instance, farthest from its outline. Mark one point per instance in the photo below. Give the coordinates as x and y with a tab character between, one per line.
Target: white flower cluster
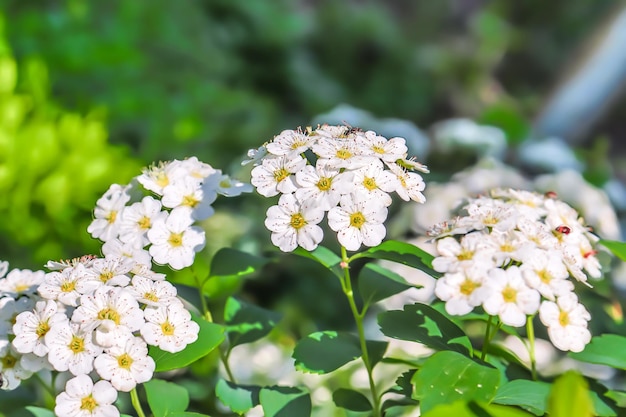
513	253
182	194
90	317
344	171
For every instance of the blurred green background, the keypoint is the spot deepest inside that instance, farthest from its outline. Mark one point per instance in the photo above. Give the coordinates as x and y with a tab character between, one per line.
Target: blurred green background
92	91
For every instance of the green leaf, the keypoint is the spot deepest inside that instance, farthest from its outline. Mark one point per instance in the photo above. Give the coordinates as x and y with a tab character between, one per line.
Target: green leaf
247	322
607	349
232	262
240	398
450	376
323	352
209	337
569	397
376	350
323	256
529	395
403	253
422	323
186	414
165	397
40	412
377	283
351	400
285	402
474	409
618	248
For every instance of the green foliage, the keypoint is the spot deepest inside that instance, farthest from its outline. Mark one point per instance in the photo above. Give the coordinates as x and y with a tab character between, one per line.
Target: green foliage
246	322
377	283
40	412
239	398
165	397
569	397
423	324
618	248
401	252
449	376
351	400
323	352
607	349
54	165
285	402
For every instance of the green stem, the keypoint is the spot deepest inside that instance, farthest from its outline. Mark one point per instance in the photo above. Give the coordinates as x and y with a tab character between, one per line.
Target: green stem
530	332
134	399
487	340
224	356
346	284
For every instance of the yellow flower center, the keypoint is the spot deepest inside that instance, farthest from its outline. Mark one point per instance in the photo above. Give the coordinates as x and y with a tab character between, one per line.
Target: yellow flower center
42	329
324	184
175	239
77	344
162	180
468	286
357	219
21	287
124	361
144	222
281	174
167	328
509	294
190	201
465	255
109	314
297	221
8	362
507	247
378	149
105	276
296	144
68	286
544	276
88	403
563	318
369	183
343	153
151	296
111	216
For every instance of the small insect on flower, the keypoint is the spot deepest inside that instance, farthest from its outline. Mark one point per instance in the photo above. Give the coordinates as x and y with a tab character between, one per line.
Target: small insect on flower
566	230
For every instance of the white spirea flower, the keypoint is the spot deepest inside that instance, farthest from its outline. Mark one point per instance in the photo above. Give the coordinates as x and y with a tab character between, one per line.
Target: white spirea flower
189	192
156	177
462	291
292	224
106	223
114	307
126	365
71	348
231	187
152	293
276	175
12	367
83	398
374	183
174	240
322	187
566	321
327	166
289	142
509	297
169	327
131	251
21	282
31	327
138	218
358	222
67	285
10	308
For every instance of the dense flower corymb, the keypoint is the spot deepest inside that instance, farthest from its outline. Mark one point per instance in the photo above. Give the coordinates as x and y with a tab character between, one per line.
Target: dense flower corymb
346	172
514	253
